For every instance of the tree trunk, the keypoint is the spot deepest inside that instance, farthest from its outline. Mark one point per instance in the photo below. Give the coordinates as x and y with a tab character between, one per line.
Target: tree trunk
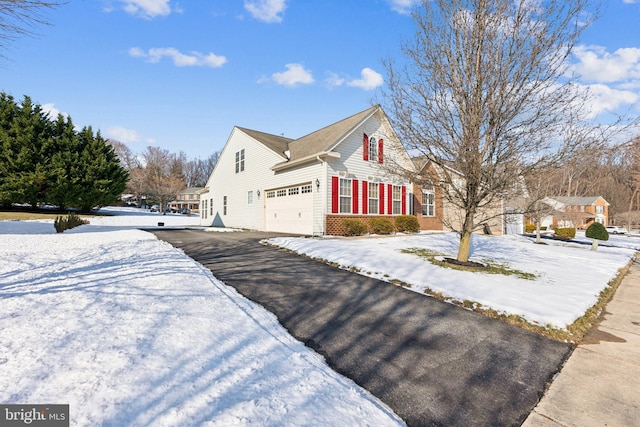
537	231
633	196
465	246
594	245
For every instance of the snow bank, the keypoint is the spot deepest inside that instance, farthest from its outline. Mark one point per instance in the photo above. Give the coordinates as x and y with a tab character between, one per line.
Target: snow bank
130	331
569	277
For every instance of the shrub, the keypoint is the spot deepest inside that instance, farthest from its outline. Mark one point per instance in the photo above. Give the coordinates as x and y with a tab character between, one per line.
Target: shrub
381	225
529	228
408	223
354	227
597	231
72	220
565	233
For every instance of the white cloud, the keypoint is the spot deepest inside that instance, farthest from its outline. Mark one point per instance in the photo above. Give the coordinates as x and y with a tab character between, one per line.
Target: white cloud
403	6
193	59
606	99
369	81
269	11
596	64
294	76
52	112
334	80
126	136
147	9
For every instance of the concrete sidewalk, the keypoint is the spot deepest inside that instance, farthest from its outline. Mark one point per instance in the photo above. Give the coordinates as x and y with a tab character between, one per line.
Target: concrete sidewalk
598	386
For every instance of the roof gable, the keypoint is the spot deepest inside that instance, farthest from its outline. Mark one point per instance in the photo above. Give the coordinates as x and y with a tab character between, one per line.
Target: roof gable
323	139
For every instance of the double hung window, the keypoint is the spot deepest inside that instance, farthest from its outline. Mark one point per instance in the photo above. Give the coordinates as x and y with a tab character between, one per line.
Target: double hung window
397	200
345	195
373	198
428	199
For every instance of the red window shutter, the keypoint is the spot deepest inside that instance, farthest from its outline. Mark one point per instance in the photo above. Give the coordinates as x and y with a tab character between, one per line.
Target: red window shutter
404	200
354	197
380	150
390	199
334	194
365	197
381	191
365	147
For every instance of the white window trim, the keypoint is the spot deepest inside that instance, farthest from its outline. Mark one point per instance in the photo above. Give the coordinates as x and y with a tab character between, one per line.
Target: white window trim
373	149
375	199
396	204
240	161
344	196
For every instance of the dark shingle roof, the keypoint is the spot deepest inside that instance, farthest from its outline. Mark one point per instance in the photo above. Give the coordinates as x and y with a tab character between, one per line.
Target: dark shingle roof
323	139
314	143
277	144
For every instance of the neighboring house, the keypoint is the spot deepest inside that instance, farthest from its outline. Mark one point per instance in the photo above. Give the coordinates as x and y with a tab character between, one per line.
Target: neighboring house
578	212
309	185
433	211
515	204
188	198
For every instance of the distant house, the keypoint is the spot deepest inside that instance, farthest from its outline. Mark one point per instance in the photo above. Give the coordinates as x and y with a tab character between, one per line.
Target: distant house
578	212
188	199
434	212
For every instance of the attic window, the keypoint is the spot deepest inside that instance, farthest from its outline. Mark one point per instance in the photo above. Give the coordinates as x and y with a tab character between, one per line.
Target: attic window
373	149
240	160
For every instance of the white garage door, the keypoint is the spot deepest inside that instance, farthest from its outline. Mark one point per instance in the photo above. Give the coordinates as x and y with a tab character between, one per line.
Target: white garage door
290	210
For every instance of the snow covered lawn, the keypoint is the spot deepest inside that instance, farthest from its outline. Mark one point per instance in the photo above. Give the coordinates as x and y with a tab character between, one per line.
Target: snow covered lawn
131	332
568	276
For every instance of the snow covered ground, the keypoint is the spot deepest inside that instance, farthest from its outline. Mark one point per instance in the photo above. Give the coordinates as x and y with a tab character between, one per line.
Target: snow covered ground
131	332
569	276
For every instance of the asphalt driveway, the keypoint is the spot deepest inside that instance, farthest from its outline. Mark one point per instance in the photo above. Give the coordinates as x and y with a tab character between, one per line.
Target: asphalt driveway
433	363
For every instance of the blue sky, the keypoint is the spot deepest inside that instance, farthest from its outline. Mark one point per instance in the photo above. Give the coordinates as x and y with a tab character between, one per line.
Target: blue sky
180	75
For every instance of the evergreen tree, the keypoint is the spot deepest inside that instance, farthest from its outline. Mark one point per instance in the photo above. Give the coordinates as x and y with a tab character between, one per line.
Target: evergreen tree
102	178
64	189
47	161
28	176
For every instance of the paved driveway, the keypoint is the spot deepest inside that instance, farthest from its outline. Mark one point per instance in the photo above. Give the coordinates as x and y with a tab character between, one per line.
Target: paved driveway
433	363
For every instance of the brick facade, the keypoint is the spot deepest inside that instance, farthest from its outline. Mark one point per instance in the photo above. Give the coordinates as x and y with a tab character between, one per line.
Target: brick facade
335	223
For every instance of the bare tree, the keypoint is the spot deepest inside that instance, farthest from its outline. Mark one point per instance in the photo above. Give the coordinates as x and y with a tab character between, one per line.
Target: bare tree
485	91
535	201
163	175
19	17
631	175
197	171
127	158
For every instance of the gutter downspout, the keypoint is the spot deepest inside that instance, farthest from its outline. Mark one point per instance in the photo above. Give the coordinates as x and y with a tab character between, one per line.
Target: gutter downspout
323	194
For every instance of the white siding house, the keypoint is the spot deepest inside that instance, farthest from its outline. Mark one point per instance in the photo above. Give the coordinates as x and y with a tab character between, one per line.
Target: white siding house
307	185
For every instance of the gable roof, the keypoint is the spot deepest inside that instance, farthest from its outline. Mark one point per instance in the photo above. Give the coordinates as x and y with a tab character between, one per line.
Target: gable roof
192	190
277	144
578	201
323	139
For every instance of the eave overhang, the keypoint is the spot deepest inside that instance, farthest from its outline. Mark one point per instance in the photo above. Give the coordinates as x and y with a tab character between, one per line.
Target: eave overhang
320	157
